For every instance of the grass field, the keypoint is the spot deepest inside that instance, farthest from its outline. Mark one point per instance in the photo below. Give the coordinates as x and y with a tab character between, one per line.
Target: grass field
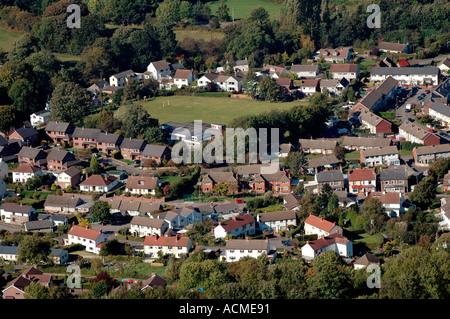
208	109
66	57
242	9
7	39
204	35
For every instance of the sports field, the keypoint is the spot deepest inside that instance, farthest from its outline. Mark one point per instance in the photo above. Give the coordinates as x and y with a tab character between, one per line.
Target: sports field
242	8
208	109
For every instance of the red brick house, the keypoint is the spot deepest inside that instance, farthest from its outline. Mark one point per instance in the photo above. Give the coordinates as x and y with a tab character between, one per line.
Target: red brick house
131	148
155	153
60	160
84	138
32	156
213	178
279	182
16	288
59	132
108	143
25	136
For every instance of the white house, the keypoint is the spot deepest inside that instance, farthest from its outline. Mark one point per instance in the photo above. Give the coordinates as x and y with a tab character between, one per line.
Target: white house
236	249
380	156
159	70
334	86
407	75
60	256
174	246
229	83
183	78
236	226
207	78
39	117
146	226
440	112
348	71
122	78
320	226
13	213
24	172
391	201
99	183
305	71
90	239
8	253
444	66
142	184
335	242
444	214
276	221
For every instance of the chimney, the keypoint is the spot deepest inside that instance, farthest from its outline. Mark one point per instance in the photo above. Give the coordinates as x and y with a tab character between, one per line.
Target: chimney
246	237
220	223
233	218
101	231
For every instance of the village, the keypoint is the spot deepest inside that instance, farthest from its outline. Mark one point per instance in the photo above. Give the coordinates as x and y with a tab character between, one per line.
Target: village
362	179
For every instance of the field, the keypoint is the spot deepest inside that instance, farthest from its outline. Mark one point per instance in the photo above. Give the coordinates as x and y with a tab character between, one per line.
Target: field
242	9
204	35
208	109
7	39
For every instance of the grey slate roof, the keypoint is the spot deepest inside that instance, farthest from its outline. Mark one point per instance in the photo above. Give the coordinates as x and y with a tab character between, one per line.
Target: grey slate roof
367	142
147	221
39	224
55	126
109	138
317	144
393	174
380	151
30	152
8	250
280	215
132	143
330	176
404	71
441	108
432	149
154	150
388	85
253	244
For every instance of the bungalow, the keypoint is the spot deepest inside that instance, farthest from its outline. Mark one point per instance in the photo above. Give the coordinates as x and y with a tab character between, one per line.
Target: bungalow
98	183
131	148
60	160
334	86
276	221
394	47
305	71
108	142
352	143
416	134
15	289
365	260
42	226
213	178
174	246
347	71
380	156
142	185
68	203
362	181
69	177
320	226
335	242
183	78
333	178
394	180
90	239
24	172
8	253
146	226
322	146
237	226
40	117
59	132
236	249
392	202
32	156
331	55
18	214
309	87
425	155
25	136
84	138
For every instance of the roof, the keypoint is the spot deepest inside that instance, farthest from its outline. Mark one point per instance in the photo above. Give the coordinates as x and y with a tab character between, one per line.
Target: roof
304	68
321	161
57	251
154	281
161	65
82	132
247	244
55	126
317	144
291	200
125	73
62	201
26	168
367	142
344	68
26	132
153	150
132	143
148	222
386	198
59	155
284	81
388	85
72	171
440	108
366	259
39	224
237	222
391	46
393	174
249	169
31	152
414	130
371	99
84	232
276	177
408	70
211	76
98	180
330	176
182	74
402	63
335	238
219	177
388	150
338	52
142	182
166	241
309	83
109	138
372	119
362	174
432	149
320	223
8	250
280	215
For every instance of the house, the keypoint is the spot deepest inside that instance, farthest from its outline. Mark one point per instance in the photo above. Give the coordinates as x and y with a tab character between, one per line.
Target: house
229	83
439	111
59	132
444	66
146	226
131	148
84	138
380	156
373	101
279	182
237	226
389	88
386	63
194	134
365	260
98	183
60	160
352	143
58	220
24	172
210	77
401	63
334	86
374	123
108	143
142	185
414	133
132	206
305	71
335	242
15	289
122	78
69	177
362	181
90	239
444	224
183	78
394	180
346	199
275	71
210	180
101	87
25	136
316	164
236	249
174	246
320	226
3	168
40	117
159	70
394	47
8	253
291	200
42	226
180	217
241	66
156	153
331	55
68	203
425	155
59	256
392	202
18	214
153	282
309	87
322	146
347	71
276	221
446	182
285	83
32	156
407	75
333	178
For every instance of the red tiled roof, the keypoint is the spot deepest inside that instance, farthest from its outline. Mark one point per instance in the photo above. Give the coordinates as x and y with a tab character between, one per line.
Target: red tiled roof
166	241
98	180
402	62
237	222
335	238
26	168
386	198
84	232
320	223
362	174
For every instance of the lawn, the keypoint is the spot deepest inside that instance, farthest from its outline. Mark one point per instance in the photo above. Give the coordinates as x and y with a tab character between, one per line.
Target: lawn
208	109
242	9
7	39
355	155
66	57
204	35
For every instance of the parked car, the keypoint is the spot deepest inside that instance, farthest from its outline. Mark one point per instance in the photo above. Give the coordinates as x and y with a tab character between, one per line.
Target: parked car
240	201
421	96
427	91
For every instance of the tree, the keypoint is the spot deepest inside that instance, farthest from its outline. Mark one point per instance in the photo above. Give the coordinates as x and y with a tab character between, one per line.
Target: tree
94	167
36	290
70	103
202	274
269	89
250	84
111	247
168	12
100	289
339	152
7	117
424	193
34	249
101	211
136	121
24	96
223	12
154	135
440	167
